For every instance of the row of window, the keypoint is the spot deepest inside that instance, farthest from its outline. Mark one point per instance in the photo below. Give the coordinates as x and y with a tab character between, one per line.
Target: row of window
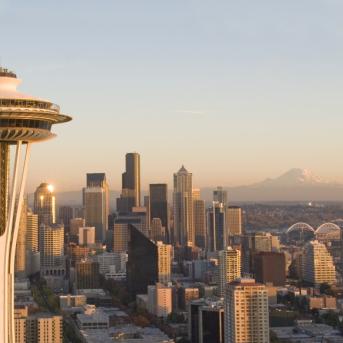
28	104
28	123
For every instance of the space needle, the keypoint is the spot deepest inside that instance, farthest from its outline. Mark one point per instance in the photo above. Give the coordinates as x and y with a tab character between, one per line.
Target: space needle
24	119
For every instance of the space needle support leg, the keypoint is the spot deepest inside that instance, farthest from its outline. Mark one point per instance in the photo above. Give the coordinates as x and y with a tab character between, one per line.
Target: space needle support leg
17	215
4	183
7	282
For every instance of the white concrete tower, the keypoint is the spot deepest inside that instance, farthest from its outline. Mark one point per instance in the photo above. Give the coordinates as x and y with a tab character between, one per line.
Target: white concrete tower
23	120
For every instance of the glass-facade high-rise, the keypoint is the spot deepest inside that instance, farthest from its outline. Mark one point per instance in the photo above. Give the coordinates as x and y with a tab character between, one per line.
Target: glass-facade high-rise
216	227
131	184
159	204
96	202
45	204
183	208
142	265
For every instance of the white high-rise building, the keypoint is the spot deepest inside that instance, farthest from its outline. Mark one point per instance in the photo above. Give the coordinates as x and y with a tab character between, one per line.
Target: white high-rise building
229	268
164	262
52	259
318	265
246	312
183	208
160	300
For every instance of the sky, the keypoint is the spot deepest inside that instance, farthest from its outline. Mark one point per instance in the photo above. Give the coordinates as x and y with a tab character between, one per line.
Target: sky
237	91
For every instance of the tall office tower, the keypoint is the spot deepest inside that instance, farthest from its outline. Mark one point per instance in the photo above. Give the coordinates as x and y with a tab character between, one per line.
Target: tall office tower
23	120
234	221
65	214
246	312
216	227
158	194
87	236
45	204
183	208
199	223
20	254
206	321
158	232
164	256
229	268
142	265
44	328
318	265
96	197
52	259
131	184
87	274
31	242
220	195
270	267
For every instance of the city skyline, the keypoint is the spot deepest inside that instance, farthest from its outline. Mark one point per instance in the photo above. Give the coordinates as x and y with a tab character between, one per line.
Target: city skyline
251	85
196	194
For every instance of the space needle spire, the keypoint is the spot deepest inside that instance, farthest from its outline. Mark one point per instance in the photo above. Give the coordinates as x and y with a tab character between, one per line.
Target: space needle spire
24	120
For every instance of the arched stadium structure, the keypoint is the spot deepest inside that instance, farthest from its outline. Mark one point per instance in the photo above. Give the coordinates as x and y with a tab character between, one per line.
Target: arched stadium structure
328	232
300	233
300	227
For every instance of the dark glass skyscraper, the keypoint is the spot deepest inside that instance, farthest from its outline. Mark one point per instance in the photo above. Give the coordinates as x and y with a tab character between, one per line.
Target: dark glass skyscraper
216	227
142	265
131	184
96	180
159	204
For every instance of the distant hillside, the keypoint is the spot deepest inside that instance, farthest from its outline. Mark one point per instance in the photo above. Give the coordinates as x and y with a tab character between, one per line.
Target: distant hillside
294	185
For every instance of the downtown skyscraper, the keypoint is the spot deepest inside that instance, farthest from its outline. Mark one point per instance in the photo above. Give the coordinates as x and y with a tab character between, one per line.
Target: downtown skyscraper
131	184
96	203
246	312
159	205
183	208
45	204
199	220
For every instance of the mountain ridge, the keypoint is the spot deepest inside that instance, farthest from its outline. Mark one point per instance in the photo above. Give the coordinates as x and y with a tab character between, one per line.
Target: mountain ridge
294	185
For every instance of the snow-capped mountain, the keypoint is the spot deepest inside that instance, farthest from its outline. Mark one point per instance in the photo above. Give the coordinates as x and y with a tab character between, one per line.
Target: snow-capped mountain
295	177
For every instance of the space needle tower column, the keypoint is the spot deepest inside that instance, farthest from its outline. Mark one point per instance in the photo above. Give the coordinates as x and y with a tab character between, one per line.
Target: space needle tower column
23	120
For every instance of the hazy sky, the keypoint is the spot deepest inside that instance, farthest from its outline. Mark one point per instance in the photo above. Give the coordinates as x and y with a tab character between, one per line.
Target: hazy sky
235	90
